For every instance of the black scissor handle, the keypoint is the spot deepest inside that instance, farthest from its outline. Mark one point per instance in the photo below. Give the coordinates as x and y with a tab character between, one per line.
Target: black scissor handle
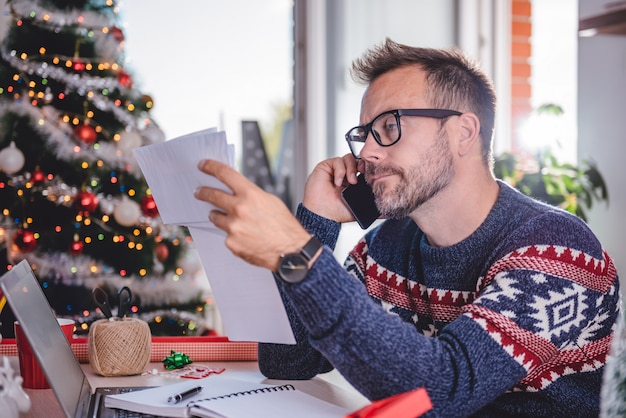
124	297
101	299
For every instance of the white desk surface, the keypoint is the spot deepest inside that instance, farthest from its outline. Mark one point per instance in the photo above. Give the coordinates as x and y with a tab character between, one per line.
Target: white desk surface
331	387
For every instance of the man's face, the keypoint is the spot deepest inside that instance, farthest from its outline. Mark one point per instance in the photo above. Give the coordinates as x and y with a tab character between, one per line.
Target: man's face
409	173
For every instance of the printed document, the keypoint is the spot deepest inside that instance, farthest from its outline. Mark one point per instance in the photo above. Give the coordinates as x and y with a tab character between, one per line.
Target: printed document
246	296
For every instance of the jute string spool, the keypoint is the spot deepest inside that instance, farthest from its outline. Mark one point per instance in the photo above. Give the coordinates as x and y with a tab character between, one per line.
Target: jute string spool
119	347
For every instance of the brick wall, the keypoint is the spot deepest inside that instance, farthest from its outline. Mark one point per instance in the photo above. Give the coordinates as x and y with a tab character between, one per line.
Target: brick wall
521	51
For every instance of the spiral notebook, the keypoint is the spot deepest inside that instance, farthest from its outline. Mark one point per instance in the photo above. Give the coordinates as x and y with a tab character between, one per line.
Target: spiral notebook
226	397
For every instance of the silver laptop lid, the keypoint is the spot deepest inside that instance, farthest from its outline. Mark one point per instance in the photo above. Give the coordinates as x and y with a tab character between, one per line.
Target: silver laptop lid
32	310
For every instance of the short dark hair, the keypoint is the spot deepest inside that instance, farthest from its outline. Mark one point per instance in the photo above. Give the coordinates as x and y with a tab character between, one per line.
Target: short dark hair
454	81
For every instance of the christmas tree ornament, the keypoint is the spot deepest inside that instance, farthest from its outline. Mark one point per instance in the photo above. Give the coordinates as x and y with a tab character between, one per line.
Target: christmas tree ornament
11	159
190	262
38	176
85	133
25	240
153	134
162	252
76	248
149	207
86	201
117	33
129	140
78	66
127	212
125	79
147	102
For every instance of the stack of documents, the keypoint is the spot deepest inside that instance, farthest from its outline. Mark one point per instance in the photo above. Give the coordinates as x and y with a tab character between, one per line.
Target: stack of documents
246	296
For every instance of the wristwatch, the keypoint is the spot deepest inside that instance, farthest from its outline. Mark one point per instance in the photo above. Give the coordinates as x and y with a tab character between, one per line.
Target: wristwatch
293	267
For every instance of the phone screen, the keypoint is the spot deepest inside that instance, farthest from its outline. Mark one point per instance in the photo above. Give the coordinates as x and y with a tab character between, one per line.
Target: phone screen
360	200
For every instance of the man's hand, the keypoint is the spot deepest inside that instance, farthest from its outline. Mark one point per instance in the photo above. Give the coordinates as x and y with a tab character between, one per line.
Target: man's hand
258	225
322	193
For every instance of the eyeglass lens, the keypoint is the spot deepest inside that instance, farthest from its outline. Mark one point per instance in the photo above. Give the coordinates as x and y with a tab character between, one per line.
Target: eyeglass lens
385	129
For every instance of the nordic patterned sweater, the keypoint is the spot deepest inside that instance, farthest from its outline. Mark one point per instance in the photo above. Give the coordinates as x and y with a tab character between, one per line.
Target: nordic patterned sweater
515	320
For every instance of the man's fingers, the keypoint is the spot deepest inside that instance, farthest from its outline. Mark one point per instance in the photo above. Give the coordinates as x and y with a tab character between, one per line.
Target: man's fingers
218	219
218	198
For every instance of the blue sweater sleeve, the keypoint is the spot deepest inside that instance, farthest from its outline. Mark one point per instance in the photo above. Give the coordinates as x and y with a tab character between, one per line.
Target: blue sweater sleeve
300	361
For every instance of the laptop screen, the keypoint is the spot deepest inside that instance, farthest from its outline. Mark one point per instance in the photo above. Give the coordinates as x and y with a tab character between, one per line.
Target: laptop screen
32	310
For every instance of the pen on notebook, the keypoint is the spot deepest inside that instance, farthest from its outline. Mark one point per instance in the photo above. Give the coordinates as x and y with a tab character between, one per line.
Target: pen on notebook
184	395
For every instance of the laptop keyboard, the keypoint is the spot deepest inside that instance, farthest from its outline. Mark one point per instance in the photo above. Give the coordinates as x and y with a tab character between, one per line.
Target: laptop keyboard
104	412
129	414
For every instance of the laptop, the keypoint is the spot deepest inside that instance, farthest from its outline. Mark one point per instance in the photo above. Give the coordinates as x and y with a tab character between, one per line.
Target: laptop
66	378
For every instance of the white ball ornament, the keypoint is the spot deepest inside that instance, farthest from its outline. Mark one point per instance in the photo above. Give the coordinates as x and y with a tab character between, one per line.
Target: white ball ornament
129	140
11	159
190	261
153	134
127	212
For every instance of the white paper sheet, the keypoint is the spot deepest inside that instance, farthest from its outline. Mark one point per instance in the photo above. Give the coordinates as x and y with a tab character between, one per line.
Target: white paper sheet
246	295
171	170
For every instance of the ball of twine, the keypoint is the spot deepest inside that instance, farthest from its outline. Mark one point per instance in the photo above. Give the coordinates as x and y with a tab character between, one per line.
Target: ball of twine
120	347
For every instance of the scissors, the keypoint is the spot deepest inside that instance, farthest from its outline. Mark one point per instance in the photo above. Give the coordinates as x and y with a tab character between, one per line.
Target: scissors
124	297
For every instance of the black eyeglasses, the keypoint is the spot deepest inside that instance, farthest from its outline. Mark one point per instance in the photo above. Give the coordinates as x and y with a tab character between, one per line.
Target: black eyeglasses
385	128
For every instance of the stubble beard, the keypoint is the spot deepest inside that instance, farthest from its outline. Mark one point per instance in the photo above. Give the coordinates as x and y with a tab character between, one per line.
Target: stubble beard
417	184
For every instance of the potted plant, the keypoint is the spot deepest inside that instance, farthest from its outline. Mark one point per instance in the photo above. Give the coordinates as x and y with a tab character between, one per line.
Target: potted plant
541	175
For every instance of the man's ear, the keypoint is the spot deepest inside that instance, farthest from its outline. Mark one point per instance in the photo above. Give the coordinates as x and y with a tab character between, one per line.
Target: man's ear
469	133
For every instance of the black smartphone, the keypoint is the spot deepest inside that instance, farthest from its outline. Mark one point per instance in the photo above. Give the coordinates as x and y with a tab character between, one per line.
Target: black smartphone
360	200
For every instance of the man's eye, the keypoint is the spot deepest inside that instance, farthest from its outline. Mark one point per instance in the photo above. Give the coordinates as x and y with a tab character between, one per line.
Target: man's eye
390	126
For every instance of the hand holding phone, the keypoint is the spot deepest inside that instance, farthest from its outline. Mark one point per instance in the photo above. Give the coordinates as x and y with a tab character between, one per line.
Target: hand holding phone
360	200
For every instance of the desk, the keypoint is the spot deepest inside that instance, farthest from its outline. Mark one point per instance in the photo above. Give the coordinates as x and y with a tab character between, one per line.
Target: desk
331	387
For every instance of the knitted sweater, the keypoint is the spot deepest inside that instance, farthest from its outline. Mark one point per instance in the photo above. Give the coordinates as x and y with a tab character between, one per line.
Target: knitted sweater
515	320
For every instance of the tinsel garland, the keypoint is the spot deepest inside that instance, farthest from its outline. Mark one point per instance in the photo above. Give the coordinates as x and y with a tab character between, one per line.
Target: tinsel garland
57	138
84	271
26	8
82	84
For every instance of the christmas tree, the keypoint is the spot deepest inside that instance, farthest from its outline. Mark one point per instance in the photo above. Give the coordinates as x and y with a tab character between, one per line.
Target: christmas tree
73	201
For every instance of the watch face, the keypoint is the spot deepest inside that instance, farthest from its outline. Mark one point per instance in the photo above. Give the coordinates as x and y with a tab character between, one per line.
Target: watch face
293	268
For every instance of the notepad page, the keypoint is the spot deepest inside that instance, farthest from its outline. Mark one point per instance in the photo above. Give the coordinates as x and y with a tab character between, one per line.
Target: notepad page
240	398
273	401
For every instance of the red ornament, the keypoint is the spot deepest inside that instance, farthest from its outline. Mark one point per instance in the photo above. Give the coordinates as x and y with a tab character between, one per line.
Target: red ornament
86	201
149	207
124	79
117	33
78	66
38	177
86	134
76	248
162	252
25	240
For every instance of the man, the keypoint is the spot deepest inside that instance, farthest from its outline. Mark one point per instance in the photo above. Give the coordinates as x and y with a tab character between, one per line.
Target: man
497	304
